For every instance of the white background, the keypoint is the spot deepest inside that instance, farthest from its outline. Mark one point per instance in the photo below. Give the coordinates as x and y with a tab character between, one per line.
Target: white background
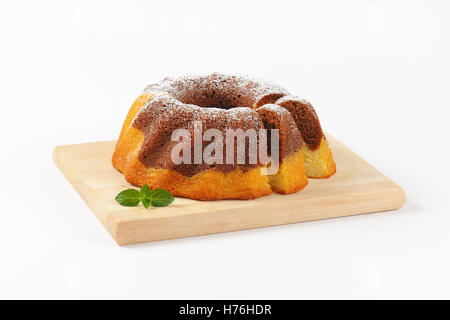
378	73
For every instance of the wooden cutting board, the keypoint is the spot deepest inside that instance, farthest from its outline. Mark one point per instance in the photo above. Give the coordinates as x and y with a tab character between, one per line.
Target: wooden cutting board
356	188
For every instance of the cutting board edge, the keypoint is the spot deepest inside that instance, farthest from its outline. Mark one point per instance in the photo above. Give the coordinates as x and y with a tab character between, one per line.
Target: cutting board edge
126	230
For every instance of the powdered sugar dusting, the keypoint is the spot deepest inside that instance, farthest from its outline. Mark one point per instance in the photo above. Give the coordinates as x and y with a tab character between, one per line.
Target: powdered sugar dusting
240	93
164	107
246	88
221	102
283	114
294	98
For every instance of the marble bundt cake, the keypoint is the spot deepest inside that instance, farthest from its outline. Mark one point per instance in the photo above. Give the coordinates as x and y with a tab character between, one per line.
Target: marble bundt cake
221	102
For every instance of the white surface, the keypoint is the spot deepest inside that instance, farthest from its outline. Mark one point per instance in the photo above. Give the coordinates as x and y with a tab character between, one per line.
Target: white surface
69	71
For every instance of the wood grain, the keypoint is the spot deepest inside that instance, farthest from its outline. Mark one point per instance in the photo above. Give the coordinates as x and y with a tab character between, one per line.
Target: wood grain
356	188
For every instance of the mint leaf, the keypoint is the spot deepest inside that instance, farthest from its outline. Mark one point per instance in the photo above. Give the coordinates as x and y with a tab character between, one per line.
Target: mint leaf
146	203
161	198
129	198
145	196
145	192
156	198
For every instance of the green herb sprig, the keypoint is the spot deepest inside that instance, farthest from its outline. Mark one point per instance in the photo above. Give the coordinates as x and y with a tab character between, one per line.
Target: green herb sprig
155	198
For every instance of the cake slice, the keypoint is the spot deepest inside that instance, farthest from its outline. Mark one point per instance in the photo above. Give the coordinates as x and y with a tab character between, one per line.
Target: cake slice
318	158
291	175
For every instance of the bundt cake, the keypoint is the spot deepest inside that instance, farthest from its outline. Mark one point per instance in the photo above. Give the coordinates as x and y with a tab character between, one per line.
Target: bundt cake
162	121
